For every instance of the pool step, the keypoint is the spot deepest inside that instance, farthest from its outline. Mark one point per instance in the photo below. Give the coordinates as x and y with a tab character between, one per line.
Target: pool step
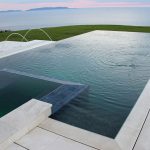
63	95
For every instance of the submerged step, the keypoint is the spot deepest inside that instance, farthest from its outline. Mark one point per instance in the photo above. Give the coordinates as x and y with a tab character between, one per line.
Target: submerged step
40	77
63	95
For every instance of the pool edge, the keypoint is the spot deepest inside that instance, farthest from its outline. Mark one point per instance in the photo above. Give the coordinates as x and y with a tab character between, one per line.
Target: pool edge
132	127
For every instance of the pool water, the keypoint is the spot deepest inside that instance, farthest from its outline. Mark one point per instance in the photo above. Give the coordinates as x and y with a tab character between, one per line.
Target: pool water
16	90
115	66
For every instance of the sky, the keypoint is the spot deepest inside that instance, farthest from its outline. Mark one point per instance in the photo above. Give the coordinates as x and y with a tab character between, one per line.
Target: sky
28	4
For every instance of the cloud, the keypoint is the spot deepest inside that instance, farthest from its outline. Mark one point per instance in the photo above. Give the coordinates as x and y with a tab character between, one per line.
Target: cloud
72	4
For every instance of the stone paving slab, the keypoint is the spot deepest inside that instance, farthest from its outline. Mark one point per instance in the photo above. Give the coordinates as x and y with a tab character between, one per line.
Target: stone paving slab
6	131
15	147
143	141
83	136
39	139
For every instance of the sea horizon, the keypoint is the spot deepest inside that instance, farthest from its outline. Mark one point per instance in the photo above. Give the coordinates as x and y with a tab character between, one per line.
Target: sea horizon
135	16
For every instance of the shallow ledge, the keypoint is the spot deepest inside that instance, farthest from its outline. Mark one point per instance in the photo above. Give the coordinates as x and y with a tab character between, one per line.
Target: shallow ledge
20	121
40	77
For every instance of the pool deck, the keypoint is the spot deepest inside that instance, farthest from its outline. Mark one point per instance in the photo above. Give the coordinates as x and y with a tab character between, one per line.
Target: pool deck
33	130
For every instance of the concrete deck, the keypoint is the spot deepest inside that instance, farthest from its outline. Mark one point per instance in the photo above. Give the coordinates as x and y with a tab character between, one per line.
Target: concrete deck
8	48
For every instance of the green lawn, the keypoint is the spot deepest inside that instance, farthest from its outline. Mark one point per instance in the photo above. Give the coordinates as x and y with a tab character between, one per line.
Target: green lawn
58	33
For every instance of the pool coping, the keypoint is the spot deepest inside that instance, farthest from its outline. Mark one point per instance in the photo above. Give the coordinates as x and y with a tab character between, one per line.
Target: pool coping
131	133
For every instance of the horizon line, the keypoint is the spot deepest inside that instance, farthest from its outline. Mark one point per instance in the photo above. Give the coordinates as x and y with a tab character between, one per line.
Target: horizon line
77	4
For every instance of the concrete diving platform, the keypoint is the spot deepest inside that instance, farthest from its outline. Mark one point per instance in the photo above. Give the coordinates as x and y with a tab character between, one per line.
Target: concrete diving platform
63	95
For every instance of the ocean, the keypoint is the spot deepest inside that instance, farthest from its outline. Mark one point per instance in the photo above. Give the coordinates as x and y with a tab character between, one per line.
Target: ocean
63	17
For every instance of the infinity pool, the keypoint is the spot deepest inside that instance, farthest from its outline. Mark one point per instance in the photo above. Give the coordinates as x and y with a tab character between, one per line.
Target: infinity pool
115	65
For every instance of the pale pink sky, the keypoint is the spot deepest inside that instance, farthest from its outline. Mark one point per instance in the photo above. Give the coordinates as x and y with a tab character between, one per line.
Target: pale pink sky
73	4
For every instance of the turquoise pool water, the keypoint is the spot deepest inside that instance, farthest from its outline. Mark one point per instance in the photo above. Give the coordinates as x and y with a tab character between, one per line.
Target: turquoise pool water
115	65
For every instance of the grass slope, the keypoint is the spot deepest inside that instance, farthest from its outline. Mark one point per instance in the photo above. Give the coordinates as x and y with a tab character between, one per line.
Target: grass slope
58	33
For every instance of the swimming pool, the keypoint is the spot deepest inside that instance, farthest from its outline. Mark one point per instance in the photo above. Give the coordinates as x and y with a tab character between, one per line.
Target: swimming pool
115	65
